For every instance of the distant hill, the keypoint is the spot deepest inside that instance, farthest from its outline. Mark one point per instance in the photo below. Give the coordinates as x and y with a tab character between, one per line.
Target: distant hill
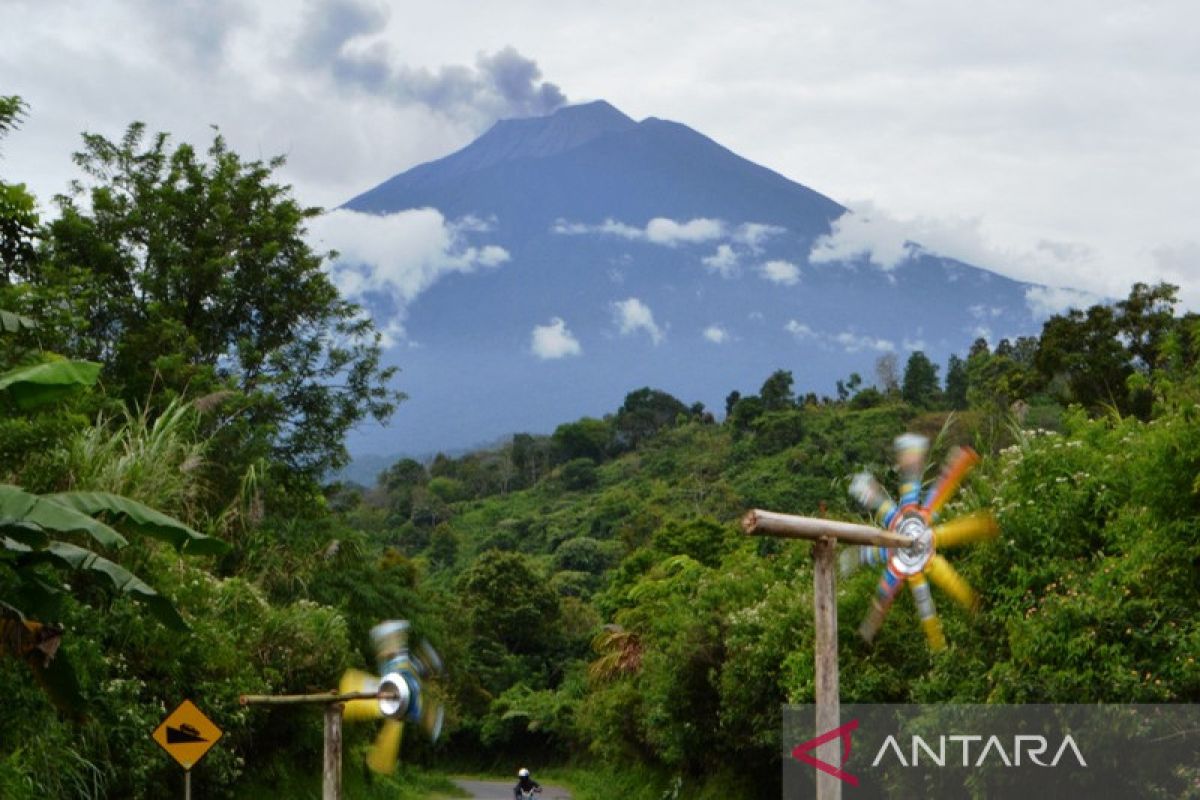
668	260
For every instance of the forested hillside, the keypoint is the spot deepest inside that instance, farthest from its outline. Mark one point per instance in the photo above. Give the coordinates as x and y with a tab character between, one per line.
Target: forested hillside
591	592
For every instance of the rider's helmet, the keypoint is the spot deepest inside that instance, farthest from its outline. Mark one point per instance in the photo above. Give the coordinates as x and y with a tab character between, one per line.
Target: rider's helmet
522	773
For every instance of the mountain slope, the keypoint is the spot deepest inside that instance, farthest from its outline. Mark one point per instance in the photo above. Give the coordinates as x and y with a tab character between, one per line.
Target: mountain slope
595	211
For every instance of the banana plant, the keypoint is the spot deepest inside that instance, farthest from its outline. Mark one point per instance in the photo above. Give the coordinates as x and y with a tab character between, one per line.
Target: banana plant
65	530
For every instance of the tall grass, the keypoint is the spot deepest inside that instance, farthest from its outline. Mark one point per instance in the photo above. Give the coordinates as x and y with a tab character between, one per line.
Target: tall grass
156	459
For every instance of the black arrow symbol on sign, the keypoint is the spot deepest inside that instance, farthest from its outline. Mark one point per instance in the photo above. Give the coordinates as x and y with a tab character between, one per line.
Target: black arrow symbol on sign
184	734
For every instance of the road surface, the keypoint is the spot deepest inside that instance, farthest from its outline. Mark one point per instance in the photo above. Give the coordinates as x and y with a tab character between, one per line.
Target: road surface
503	790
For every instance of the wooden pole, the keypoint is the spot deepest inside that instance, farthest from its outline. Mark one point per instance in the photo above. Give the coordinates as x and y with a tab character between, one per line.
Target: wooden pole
789	526
332	772
305	699
826	666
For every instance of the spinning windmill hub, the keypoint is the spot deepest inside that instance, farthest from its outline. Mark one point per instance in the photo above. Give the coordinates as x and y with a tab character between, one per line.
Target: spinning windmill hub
407	691
394	696
912	559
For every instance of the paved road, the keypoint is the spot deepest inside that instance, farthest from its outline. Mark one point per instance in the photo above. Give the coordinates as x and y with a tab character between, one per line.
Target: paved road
503	790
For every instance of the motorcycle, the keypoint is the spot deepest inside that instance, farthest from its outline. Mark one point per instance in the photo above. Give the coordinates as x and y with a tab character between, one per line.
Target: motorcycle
527	794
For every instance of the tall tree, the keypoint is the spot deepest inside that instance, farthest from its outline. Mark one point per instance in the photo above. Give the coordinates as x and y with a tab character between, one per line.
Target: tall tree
956	383
776	391
887	372
184	272
644	413
920	387
18	212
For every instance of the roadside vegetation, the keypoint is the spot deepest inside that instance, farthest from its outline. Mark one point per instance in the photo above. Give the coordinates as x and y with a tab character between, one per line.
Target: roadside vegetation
603	619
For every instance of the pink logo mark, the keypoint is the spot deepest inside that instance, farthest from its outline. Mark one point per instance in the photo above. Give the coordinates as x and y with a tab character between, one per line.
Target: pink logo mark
801	752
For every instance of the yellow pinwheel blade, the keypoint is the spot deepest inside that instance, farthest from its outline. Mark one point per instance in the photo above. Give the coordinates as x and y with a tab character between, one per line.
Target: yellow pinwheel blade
927	611
386	750
958	465
949	581
965	530
358	681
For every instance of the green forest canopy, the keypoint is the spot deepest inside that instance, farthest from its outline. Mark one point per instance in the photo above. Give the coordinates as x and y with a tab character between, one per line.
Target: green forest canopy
589	590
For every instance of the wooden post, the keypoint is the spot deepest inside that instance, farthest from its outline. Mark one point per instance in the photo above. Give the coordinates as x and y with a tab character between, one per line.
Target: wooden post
332	772
334	702
826	664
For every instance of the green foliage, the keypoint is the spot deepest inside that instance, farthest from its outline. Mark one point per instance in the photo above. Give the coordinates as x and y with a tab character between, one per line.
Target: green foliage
587	438
644	413
920	384
776	391
778	430
132	281
42	384
578	474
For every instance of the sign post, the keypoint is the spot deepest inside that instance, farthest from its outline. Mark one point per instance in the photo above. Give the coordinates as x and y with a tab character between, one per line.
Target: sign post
187	735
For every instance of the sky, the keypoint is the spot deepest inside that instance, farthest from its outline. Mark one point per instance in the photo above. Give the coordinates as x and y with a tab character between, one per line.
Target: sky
1051	141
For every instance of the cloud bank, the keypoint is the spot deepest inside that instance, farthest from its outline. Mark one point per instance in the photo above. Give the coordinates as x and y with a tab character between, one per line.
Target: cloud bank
399	255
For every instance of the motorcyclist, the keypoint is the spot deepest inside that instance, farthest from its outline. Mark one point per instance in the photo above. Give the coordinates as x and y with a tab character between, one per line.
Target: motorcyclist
525	783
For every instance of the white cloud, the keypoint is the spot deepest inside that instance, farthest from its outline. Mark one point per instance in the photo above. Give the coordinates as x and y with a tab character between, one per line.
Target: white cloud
864	232
782	272
848	341
981	332
399	255
1046	301
660	230
632	315
852	343
724	261
609	227
912	345
887	242
754	234
716	334
554	341
799	330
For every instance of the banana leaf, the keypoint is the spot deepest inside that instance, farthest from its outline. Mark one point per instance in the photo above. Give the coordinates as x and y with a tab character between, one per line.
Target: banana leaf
40	384
143	519
11	323
18	505
123	580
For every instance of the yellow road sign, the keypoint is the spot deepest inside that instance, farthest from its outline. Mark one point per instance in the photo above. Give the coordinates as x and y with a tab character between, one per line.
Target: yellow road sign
186	734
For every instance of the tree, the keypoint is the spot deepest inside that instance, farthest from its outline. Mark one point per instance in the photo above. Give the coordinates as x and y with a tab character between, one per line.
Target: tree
731	400
956	383
18	212
887	372
644	413
776	391
584	438
1146	318
1083	350
185	273
508	602
920	386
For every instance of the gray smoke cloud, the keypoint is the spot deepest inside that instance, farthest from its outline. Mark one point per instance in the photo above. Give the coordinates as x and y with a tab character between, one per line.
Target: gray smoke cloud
502	84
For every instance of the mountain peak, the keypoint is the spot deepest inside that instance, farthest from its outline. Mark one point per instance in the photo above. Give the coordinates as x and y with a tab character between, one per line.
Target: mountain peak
540	137
598	113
